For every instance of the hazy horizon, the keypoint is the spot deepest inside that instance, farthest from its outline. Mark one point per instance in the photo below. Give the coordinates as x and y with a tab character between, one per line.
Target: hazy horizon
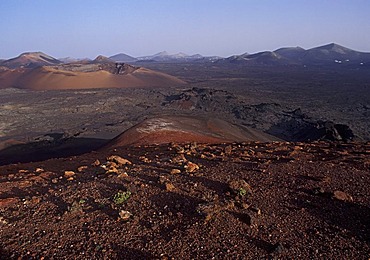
138	28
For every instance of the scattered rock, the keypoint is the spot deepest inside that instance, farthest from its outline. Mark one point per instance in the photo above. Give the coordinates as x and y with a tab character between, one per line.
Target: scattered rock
111	164
144	159
179	149
245	205
36	179
209	210
69	174
256	210
170	186
318	191
119	160
46	175
193	148
96	163
24	184
112	170
23	171
3	221
165	257
296	150
122	175
125	215
340	195
162	179
175	171
82	168
228	149
39	170
191	167
179	159
35	200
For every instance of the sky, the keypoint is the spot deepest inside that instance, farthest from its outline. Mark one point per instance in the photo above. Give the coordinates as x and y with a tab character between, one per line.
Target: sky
87	28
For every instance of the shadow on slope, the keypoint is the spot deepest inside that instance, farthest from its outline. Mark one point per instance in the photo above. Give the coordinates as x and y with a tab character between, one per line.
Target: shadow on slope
339	214
165	129
297	129
55	147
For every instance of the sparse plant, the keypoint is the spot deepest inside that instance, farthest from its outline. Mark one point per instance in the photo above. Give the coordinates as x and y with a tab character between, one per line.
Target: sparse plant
242	192
121	197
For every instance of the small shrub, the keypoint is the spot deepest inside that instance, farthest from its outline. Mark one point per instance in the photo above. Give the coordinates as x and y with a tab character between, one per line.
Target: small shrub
242	192
121	197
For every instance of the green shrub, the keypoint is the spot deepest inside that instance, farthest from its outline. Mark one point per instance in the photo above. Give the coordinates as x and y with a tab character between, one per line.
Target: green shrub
121	197
242	192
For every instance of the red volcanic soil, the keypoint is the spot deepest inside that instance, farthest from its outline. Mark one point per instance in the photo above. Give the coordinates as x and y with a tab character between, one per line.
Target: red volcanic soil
51	78
222	201
9	76
182	129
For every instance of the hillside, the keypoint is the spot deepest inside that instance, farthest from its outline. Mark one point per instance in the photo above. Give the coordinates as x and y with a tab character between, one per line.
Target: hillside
244	200
30	60
326	55
185	129
99	73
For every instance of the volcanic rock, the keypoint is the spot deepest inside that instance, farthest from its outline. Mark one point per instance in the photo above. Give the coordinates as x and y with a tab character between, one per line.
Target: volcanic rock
175	171
69	174
191	167
119	160
340	195
125	215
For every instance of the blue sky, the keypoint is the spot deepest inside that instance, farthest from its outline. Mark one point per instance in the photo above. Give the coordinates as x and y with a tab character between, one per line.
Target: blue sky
80	28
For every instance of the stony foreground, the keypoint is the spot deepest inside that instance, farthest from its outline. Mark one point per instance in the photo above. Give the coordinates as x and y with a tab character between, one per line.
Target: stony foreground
238	201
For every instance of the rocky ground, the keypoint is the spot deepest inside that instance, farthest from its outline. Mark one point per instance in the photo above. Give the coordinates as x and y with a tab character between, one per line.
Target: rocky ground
228	201
29	116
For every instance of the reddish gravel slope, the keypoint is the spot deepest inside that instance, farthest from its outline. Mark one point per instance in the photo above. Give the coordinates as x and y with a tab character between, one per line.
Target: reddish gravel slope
186	129
227	201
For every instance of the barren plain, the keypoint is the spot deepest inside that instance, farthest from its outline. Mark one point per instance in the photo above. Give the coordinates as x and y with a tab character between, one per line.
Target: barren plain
297	189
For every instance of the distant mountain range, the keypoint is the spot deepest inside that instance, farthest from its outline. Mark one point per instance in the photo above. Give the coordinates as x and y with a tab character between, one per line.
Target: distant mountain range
165	56
330	54
121	57
162	57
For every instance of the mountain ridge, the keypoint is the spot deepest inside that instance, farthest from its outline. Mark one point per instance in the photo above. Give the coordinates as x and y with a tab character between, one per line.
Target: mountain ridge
328	54
122	57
